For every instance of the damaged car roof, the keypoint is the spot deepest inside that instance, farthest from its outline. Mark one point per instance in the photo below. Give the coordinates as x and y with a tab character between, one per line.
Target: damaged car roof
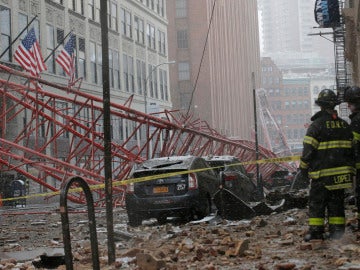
175	162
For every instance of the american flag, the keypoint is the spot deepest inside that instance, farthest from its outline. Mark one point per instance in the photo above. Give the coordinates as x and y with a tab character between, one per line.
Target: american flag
66	58
28	54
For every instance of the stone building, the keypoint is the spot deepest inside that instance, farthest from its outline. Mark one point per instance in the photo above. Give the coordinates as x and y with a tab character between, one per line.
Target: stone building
137	44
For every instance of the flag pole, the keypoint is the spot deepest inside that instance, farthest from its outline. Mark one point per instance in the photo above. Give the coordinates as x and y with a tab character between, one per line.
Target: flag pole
57	46
17	37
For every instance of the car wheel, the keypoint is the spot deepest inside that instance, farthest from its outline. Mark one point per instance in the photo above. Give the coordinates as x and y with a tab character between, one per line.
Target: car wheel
205	209
186	217
161	219
134	219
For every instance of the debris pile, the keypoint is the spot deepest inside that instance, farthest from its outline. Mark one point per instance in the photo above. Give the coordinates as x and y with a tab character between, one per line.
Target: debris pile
273	241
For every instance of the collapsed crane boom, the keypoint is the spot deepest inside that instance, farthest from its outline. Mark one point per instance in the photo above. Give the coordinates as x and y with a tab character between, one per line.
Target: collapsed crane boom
53	132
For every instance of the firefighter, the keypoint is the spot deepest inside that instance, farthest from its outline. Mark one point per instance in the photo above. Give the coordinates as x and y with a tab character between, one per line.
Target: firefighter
352	97
327	159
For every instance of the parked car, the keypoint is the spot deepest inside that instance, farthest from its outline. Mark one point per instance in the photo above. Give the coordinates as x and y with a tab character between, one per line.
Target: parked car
234	177
186	195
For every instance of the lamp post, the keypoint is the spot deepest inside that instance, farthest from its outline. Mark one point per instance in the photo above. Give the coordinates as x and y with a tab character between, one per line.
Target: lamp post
148	77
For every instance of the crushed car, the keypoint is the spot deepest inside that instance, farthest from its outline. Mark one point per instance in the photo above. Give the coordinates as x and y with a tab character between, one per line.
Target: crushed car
238	196
180	186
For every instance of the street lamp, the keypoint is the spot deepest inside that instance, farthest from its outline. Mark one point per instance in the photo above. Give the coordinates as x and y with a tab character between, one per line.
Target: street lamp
148	77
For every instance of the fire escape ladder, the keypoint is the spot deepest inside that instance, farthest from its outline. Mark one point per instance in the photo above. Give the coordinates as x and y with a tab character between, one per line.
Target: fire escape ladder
343	77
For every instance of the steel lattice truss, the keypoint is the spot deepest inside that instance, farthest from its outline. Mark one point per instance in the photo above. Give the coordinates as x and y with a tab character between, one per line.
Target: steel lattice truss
51	133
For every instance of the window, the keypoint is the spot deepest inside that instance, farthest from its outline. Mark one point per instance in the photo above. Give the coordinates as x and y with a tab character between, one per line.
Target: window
77	6
22	22
300	91
163	85
288	119
155	80
50	45
128	71
93	69
184	71
139	30
140	76
81	60
181	8
152	4
182	39
161	37
306	104
60	40
99	63
58	1
113	16
126	24
5	27
157	6
151	72
305	91
166	89
150	33
131	74
161	8
287	105
114	69
94	10
316	90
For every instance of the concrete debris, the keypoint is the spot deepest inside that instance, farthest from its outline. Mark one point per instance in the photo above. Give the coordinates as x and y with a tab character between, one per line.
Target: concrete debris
265	242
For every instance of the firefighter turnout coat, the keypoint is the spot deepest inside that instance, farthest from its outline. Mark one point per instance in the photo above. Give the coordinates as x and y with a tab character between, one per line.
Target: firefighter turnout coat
328	150
355	127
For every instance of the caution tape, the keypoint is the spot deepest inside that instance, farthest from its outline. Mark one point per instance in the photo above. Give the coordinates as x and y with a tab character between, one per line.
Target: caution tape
154	177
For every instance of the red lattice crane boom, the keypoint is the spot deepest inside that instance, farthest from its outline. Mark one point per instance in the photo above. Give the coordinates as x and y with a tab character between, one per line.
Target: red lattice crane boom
51	133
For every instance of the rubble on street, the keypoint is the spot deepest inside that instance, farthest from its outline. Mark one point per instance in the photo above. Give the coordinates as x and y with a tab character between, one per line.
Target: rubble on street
273	241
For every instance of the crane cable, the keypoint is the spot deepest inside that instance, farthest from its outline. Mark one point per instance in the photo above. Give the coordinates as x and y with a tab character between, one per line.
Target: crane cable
202	58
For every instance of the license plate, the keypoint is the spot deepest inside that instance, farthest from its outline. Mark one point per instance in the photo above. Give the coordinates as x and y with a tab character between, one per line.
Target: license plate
162	189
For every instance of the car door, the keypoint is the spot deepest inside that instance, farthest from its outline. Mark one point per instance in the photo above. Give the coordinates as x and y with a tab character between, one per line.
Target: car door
208	179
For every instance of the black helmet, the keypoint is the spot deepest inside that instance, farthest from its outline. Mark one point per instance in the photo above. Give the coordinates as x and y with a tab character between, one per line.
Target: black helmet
327	99
352	94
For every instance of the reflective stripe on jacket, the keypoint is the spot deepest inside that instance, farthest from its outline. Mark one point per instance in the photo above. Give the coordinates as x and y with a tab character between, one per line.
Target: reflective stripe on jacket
328	146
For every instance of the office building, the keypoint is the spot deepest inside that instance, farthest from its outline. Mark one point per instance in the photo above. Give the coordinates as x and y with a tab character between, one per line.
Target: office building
290	35
216	47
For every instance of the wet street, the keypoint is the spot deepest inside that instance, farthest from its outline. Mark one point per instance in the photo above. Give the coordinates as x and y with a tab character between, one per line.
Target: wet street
264	242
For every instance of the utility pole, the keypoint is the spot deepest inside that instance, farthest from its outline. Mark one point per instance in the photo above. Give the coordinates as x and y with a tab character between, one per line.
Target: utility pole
258	176
107	132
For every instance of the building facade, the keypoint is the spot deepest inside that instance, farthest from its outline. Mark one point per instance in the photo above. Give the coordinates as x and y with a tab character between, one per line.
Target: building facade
289	100
351	14
137	44
290	36
216	47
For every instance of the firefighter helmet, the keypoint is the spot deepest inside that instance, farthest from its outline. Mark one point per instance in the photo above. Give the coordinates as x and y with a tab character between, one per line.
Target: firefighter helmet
352	94
327	99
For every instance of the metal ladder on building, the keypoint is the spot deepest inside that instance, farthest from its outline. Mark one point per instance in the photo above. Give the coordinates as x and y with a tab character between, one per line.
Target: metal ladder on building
343	77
